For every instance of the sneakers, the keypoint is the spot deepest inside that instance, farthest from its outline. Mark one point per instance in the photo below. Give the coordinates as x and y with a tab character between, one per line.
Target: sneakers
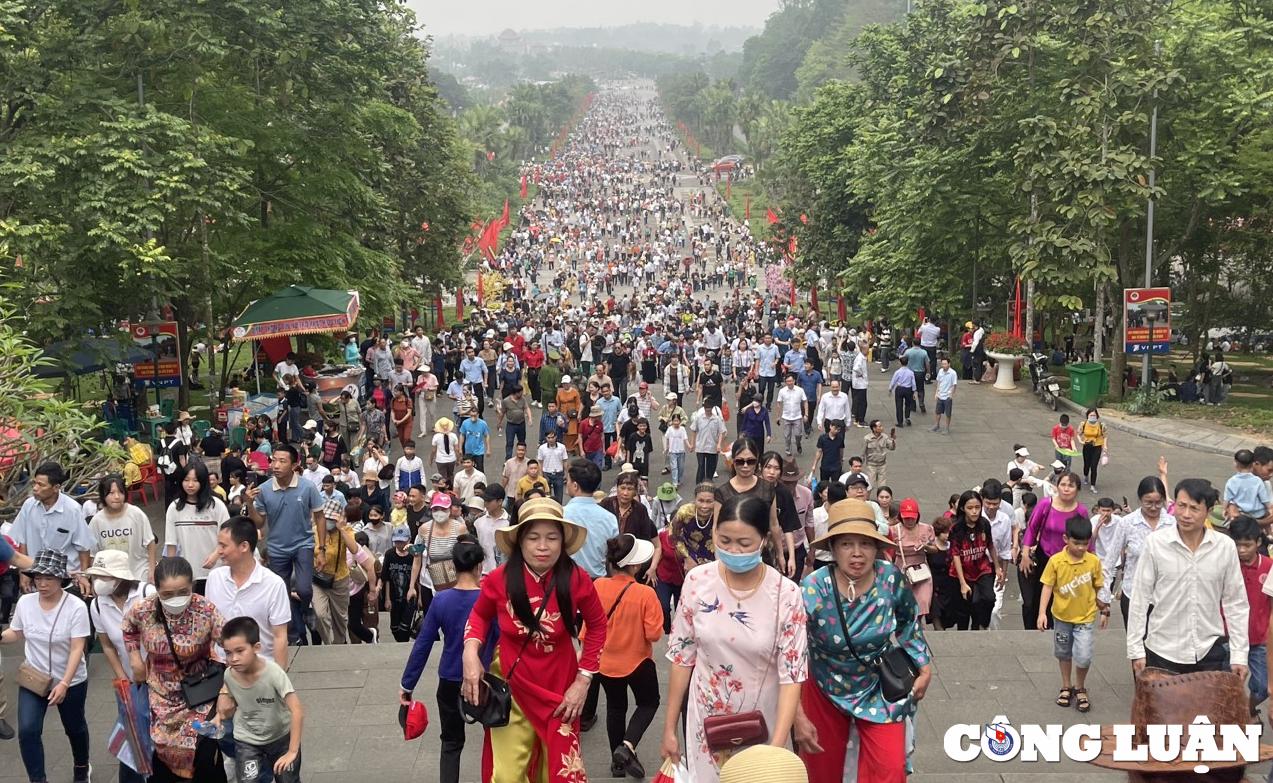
83	774
375	635
935	429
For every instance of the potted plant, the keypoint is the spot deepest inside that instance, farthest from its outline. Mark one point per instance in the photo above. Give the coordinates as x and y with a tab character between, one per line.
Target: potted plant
1006	348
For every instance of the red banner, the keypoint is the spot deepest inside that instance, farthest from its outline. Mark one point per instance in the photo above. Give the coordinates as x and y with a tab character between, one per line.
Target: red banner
747	208
459	303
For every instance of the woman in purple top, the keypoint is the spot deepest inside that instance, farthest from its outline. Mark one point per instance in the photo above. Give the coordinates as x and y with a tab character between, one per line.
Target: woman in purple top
1044	537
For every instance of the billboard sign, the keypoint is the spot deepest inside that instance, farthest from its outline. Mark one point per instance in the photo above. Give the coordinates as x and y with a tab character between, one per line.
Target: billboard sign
158	338
1147	320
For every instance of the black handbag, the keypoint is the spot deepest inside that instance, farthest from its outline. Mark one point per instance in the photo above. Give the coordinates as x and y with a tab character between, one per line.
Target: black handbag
201	687
893	667
495	700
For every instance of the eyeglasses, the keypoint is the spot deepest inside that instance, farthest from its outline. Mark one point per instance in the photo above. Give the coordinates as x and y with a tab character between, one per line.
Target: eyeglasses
746	461
1151	503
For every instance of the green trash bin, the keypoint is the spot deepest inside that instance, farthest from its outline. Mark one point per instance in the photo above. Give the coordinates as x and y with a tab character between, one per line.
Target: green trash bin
1088	381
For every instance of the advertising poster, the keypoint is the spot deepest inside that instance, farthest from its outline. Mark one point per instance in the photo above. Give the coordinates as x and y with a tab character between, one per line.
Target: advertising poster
157	338
1147	310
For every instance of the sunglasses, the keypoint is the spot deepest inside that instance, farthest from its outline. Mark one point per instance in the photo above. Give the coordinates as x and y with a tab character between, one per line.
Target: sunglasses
746	461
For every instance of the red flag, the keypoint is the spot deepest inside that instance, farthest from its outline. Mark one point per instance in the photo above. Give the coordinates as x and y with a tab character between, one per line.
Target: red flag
459	303
791	248
747	208
771	216
522	192
844	310
479	289
793	294
1018	329
813	299
437	304
503	219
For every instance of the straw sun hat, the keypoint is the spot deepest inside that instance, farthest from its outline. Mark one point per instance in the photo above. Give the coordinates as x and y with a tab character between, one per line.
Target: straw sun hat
540	510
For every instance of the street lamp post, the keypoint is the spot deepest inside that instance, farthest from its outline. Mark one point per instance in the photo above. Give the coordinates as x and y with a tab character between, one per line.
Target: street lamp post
1149	222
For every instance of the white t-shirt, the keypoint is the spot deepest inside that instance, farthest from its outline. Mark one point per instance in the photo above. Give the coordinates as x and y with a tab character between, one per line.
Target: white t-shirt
263	597
108	618
36	625
130	532
677	440
439	443
194	532
552	460
820	517
792	398
486	525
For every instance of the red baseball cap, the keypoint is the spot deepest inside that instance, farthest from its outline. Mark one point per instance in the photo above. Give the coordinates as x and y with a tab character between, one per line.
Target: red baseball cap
414	721
909	509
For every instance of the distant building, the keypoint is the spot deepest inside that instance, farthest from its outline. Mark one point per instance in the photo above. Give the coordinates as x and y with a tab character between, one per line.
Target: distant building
510	41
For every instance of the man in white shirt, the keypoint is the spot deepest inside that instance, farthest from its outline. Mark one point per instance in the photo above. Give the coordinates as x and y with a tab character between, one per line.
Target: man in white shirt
947	379
466	478
496	516
834	406
314	471
285	368
794	406
245	588
929	335
552	460
1001	523
1192	577
422	346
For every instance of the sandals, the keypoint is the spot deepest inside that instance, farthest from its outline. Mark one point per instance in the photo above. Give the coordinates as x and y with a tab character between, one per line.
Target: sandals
1065	697
1081	700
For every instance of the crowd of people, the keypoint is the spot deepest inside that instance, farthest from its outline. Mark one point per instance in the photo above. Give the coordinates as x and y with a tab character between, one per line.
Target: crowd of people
786	582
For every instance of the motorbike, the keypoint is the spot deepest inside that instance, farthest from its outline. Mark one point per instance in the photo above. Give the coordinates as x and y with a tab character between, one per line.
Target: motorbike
1045	383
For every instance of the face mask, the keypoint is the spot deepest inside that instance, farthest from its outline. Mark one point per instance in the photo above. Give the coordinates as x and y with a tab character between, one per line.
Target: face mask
1091	419
739	563
441	515
104	586
331	525
175	605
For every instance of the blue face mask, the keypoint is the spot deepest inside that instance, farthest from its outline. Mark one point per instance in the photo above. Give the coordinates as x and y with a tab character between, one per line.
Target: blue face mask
739	563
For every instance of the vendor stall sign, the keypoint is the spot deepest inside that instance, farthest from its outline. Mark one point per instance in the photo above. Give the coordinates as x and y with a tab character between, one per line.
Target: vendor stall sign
160	340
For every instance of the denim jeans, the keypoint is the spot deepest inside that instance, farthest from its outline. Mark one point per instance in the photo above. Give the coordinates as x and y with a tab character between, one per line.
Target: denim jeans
300	562
676	465
1074	642
597	458
511	432
556	484
668	595
1258	665
31	710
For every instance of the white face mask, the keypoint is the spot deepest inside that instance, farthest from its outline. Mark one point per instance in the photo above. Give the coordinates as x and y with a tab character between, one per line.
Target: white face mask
441	515
104	586
175	605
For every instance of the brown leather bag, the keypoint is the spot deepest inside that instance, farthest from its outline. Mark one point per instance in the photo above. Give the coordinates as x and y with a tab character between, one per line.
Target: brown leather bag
33	679
732	733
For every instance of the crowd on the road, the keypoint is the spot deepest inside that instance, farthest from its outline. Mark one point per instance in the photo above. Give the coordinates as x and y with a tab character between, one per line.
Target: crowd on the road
789	585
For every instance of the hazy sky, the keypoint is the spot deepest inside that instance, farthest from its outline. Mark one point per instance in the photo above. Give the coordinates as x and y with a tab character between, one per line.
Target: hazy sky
488	17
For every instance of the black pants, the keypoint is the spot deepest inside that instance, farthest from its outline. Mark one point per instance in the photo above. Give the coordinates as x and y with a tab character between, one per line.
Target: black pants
1032	593
400	615
977	606
932	361
608	438
358	617
532	380
644	682
706	466
452	730
859	405
1091	461
1216	660
903	403
919	391
480	392
767	384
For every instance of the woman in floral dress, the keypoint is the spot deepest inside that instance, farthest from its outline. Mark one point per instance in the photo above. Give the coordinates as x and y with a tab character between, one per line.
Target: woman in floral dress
539	587
738	639
195	624
863	597
691	528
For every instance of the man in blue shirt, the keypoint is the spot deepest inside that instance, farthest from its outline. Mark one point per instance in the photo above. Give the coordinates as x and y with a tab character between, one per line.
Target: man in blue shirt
293	509
916	358
50	519
810	380
474	372
474	438
610	407
582	479
782	335
793	360
767	356
552	421
902	386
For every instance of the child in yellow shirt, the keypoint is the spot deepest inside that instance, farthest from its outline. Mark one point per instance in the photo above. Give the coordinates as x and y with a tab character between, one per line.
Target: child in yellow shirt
1071	580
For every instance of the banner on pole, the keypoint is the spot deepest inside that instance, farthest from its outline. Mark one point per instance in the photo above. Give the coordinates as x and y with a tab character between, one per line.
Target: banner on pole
1147	320
160	339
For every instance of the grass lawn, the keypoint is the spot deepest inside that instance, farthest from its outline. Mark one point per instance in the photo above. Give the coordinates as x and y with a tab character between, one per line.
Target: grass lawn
1249	406
738	194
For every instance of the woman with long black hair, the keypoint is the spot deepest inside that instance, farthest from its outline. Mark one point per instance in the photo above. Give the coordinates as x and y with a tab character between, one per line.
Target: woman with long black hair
536	597
193	519
746	461
974	563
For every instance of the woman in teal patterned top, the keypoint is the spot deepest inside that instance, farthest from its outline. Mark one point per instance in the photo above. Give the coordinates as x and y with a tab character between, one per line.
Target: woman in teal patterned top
841	692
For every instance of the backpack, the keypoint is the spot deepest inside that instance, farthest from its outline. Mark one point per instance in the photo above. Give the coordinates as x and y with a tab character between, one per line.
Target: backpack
163	458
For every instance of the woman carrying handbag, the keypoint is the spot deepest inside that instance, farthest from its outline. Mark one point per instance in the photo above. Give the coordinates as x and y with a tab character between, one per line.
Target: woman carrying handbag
55	628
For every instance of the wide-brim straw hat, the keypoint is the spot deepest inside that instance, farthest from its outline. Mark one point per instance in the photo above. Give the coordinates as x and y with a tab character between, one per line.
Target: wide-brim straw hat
542	510
851	517
111	564
1161	697
443	425
764	762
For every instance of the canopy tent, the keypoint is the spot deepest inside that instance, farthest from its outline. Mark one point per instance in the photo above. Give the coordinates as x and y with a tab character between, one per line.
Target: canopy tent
89	354
295	310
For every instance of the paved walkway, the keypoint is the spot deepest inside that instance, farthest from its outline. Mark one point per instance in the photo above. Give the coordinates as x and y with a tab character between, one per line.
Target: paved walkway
1202	436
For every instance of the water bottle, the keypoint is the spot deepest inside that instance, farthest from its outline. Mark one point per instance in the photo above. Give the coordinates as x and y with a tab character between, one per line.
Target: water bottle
208	729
